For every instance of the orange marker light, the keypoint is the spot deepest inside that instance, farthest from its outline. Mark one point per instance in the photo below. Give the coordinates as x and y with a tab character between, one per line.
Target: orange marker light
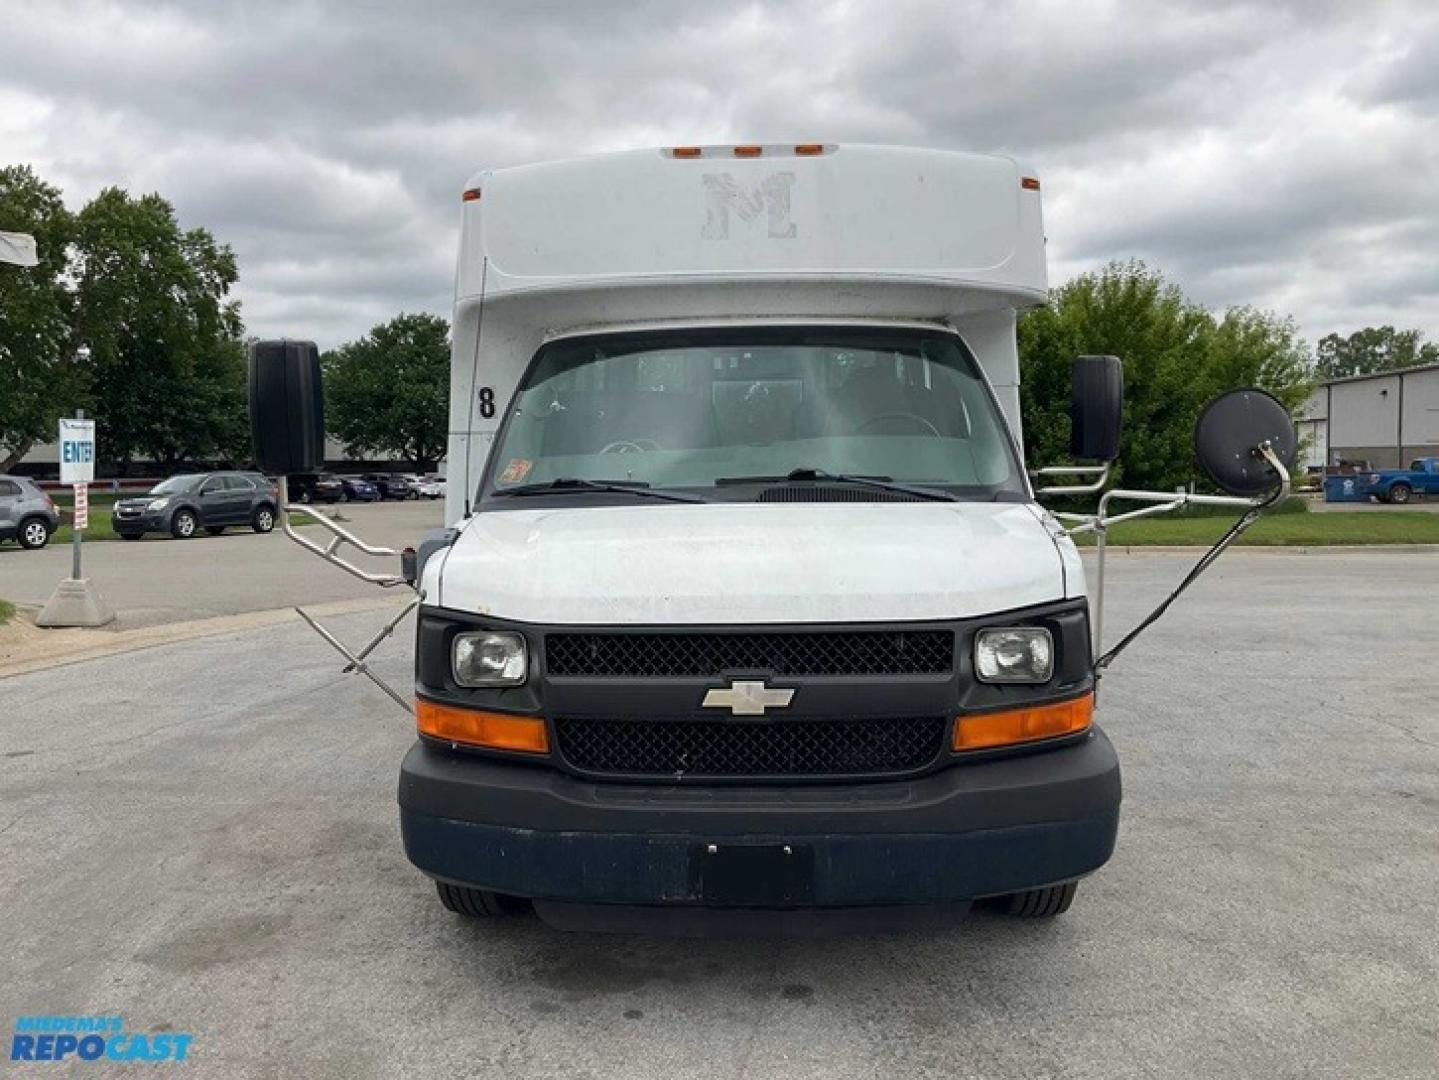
748	151
476	727
986	730
471	194
809	148
1029	183
686	151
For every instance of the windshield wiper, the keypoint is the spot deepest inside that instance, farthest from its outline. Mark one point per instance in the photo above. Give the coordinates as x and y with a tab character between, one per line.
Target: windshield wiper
883	483
568	484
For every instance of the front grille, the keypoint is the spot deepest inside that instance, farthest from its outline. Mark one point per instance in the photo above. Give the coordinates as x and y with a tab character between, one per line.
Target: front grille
705	655
772	748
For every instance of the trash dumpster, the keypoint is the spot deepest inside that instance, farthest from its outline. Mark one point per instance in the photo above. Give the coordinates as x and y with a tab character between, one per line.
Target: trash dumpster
1345	489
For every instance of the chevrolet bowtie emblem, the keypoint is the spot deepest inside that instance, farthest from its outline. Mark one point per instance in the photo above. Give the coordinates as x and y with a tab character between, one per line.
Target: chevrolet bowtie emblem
747	698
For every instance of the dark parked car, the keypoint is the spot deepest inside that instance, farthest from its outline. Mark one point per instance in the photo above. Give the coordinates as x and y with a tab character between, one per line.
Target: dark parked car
209	501
316	487
27	514
392	485
358	489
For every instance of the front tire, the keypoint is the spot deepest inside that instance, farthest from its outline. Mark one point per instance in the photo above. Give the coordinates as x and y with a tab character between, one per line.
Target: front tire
1400	493
1043	903
182	525
34	533
478	903
264	520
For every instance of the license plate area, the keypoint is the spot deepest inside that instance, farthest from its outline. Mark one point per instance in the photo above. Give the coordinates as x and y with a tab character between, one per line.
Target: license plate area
752	875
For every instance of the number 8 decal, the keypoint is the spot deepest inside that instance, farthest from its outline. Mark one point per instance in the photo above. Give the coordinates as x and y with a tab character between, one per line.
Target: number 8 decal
487	402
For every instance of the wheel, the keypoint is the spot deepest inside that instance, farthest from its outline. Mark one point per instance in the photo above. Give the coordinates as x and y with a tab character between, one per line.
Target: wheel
305	497
182	525
1043	903
1400	493
130	536
344	496
214	530
34	533
264	520
478	903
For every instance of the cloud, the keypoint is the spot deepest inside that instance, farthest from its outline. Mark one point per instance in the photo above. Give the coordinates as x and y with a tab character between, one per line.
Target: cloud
1276	154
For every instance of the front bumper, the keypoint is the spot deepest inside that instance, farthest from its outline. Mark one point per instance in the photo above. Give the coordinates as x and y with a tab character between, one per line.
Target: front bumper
147	522
972	830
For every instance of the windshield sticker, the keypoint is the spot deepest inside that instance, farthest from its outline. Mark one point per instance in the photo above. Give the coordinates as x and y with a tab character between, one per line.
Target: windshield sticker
516	470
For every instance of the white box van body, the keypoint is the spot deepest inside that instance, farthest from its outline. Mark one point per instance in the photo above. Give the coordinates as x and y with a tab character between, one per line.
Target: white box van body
749	602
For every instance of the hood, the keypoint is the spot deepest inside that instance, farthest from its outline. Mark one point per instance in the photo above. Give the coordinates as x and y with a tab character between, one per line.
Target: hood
747	563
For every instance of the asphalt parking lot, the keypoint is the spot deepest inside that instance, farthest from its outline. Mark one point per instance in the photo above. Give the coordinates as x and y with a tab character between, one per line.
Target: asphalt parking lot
161	580
202	838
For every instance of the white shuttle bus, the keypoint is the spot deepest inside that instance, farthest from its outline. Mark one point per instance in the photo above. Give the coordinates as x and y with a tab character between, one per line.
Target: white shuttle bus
745	599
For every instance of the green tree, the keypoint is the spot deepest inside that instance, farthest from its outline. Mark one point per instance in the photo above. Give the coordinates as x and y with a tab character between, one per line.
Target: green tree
1176	355
152	304
388	393
1375	348
40	378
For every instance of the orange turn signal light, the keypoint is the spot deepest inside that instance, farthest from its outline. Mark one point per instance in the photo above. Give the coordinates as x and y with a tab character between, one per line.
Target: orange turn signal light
476	727
686	151
809	148
748	151
985	730
470	195
1029	183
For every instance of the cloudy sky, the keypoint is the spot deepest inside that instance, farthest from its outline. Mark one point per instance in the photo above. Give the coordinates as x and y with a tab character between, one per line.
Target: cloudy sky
1279	154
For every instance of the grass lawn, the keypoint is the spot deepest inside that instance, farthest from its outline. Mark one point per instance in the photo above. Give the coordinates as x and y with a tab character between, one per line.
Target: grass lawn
1306	530
7	611
98	529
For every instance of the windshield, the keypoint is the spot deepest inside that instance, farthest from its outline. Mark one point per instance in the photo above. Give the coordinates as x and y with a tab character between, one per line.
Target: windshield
693	408
177	484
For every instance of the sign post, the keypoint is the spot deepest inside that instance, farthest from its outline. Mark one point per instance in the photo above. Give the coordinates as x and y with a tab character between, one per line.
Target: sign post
75	601
77	468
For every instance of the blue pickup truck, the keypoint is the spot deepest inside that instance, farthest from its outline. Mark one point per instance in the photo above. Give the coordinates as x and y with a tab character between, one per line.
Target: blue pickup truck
1400	485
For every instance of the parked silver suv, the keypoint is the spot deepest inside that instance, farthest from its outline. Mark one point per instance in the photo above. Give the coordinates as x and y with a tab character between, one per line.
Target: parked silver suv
27	514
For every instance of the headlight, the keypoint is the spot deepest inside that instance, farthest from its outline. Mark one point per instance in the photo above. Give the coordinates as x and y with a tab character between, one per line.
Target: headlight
1014	654
489	658
159	504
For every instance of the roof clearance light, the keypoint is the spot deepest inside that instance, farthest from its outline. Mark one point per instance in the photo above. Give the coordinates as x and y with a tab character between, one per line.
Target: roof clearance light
748	151
809	148
686	151
1030	183
471	195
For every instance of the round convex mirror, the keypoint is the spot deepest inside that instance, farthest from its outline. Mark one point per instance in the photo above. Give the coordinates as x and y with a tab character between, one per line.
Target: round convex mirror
1227	436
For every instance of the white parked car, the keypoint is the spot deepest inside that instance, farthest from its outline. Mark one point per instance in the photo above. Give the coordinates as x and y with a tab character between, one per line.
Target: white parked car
430	486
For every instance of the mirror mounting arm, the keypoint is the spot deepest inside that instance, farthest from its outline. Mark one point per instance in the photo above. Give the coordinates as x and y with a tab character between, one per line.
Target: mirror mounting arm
1099	472
340	538
1163	502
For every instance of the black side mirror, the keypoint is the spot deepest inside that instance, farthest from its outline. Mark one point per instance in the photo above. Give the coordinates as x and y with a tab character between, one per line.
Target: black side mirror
287	407
1096	409
1228	434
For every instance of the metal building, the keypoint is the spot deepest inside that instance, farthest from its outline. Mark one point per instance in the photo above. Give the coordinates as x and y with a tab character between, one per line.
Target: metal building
1387	419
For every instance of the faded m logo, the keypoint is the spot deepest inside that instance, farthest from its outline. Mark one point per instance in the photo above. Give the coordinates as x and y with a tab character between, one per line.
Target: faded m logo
724	197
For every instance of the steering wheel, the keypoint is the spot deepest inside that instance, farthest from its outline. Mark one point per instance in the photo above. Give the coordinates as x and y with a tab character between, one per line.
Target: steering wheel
919	421
632	446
